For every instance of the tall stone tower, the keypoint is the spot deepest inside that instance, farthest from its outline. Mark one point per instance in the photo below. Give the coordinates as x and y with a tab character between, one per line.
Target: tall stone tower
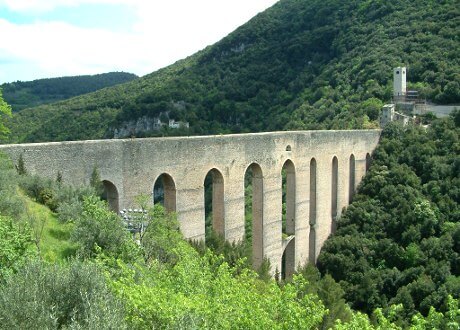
399	82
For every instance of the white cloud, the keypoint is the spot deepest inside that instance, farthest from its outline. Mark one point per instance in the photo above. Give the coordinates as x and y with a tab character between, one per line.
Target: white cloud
165	32
48	5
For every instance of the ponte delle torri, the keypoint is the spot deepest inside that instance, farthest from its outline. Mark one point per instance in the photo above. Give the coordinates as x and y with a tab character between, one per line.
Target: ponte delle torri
322	168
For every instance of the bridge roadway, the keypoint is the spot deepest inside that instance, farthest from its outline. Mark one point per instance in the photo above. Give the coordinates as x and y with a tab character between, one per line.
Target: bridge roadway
322	168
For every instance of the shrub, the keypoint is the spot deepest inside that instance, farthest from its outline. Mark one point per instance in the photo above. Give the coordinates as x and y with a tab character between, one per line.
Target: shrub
74	295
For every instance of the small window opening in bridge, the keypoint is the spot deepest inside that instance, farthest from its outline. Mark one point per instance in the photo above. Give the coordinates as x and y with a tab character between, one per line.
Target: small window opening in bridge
312	215
110	194
288	218
352	181
164	192
334	192
368	162
253	195
288	148
214	204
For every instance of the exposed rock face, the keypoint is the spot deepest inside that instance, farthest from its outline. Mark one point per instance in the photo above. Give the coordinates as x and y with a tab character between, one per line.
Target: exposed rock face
137	127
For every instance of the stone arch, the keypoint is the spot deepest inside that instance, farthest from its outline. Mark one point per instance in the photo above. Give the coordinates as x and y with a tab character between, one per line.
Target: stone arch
110	194
312	215
288	217
288	258
352	178
164	192
254	174
334	191
368	162
215	180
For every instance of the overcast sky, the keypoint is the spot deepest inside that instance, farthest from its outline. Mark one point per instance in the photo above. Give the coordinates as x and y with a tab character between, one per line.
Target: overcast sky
53	38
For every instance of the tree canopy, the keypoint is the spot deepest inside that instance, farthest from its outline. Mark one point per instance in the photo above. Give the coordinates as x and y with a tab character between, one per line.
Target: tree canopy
5	111
398	242
25	94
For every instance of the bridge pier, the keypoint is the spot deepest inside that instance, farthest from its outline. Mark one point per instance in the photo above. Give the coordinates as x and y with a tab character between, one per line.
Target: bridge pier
320	181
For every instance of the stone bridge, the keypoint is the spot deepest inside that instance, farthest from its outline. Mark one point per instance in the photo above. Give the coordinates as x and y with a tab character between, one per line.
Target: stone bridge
321	170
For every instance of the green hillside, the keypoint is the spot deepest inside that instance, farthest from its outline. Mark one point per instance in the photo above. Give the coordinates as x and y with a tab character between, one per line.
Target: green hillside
399	241
298	65
26	94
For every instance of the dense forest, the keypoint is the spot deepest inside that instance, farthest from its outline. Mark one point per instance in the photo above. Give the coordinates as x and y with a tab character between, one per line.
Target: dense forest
66	261
27	94
298	65
399	240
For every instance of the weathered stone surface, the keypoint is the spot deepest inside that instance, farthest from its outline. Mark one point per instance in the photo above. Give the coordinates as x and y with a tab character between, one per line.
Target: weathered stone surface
133	165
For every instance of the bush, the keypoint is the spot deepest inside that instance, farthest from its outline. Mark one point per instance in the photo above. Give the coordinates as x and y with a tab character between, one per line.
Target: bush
15	242
10	203
98	227
44	296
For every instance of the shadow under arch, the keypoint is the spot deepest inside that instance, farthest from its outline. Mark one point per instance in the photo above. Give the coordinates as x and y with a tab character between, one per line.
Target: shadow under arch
288	217
368	161
110	194
164	192
312	213
214	190
334	193
254	196
352	178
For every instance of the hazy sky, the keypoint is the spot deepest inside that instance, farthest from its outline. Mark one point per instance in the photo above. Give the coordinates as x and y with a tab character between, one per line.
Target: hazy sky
52	38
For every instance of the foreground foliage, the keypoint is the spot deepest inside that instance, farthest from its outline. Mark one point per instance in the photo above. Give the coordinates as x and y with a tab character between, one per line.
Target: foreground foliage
5	111
398	242
71	296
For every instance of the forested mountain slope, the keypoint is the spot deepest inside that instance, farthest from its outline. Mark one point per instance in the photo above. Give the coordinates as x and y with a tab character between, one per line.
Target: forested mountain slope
26	94
301	64
399	241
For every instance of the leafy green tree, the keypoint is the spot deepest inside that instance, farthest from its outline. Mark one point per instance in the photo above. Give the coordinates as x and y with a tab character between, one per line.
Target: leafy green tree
396	243
21	165
15	246
99	228
5	111
67	296
96	182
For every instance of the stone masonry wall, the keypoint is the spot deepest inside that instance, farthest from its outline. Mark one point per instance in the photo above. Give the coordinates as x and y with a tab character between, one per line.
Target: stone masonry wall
133	165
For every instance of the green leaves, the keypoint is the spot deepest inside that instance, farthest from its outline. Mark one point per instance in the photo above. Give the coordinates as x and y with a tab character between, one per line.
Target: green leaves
15	246
98	228
397	242
5	111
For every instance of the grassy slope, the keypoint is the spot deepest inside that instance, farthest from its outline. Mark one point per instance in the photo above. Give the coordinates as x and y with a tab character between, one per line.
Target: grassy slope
55	244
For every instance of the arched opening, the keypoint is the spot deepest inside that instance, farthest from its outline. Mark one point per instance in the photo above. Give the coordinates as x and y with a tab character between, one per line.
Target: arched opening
254	190
164	192
312	215
352	181
214	202
334	192
288	217
110	194
368	162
